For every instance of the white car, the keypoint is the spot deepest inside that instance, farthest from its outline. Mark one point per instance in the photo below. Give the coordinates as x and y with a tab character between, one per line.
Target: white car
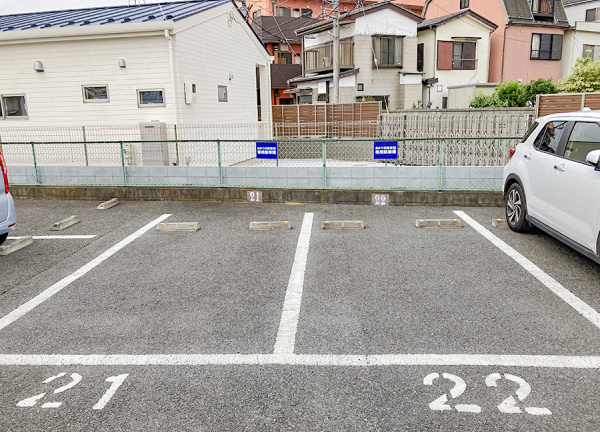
8	216
552	180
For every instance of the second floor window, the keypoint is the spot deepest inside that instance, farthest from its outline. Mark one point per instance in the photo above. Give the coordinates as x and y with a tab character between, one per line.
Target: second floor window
283	11
388	51
285	58
463	56
307	13
591	15
464	4
457	55
546	46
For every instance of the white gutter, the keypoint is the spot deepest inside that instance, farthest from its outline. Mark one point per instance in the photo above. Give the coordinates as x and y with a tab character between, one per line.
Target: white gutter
173	88
80	32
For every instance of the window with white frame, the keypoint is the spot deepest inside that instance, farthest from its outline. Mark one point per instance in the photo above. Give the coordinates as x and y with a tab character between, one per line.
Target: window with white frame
13	106
388	51
591	51
95	93
151	98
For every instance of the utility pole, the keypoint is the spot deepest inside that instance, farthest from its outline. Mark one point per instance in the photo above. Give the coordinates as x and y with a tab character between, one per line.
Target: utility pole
336	51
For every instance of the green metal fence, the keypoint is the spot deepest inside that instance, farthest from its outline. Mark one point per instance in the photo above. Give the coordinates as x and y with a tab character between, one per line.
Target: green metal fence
451	163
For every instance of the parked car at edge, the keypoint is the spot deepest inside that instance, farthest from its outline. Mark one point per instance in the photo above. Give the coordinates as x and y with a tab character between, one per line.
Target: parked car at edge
552	180
8	215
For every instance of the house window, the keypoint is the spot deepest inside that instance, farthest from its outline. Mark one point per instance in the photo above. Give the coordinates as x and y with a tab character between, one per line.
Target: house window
456	55
13	107
307	13
306	99
444	102
151	98
464	4
283	11
256	14
222	93
591	51
463	56
284	47
420	57
296	13
297	59
95	93
388	51
591	15
546	46
285	58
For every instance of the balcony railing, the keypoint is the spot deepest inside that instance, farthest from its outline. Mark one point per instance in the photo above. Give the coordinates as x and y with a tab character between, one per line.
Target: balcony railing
542	8
320	58
464	64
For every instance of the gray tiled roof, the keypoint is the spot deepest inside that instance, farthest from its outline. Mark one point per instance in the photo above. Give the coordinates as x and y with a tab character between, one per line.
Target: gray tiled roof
572	2
173	11
435	22
520	10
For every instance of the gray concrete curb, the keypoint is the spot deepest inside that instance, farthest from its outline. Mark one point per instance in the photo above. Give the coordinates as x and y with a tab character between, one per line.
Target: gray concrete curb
333	196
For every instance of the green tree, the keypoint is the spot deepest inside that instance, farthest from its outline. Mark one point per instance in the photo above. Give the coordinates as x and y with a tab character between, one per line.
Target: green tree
584	78
485	100
539	86
512	93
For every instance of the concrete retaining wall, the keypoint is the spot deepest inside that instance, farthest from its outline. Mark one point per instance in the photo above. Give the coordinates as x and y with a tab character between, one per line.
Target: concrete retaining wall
156	193
356	177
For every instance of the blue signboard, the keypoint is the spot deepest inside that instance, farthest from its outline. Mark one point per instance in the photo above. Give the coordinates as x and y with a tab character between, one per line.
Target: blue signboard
266	150
386	150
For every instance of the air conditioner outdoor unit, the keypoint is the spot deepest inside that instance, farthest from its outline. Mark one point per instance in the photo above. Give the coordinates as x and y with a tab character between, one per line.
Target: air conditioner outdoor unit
155	149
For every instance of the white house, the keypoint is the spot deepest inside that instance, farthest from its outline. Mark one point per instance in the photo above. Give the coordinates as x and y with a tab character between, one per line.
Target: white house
582	10
454	50
581	40
179	63
378	57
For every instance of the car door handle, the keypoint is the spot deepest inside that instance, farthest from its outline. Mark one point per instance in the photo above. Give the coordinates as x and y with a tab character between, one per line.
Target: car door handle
528	157
560	168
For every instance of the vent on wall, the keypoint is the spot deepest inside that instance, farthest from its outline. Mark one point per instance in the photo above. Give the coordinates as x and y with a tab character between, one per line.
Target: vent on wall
190	93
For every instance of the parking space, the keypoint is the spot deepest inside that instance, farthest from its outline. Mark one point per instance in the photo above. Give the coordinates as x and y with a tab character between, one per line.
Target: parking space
386	328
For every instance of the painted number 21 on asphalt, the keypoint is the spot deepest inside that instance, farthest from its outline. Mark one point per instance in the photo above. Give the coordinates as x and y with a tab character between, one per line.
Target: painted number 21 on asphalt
116	382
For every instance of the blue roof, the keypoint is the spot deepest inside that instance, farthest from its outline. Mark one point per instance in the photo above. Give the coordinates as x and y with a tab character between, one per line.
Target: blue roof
173	11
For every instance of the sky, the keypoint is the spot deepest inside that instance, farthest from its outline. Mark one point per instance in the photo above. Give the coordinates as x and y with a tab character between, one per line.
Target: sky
8	7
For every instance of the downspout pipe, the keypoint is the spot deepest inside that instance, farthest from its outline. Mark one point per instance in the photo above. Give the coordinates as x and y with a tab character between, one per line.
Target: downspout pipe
172	63
504	51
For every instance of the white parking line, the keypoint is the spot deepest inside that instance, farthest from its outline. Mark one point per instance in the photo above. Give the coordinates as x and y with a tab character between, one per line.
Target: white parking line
527	361
286	336
57	287
575	302
57	237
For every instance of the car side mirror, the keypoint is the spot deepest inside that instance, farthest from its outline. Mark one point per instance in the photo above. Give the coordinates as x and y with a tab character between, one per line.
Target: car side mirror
593	158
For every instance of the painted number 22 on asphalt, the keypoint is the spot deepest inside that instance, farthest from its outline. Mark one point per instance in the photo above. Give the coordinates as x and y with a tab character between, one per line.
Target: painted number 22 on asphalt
116	382
507	406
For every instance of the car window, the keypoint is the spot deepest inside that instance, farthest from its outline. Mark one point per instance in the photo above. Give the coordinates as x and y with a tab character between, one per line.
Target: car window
531	129
584	138
549	138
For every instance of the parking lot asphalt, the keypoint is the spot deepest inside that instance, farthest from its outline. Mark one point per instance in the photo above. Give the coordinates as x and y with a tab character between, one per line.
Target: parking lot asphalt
393	327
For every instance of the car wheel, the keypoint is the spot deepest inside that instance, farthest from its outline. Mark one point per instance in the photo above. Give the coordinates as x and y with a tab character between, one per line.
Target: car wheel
516	209
3	238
